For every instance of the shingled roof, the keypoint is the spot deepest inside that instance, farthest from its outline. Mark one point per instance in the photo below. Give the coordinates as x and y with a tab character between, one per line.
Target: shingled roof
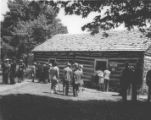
116	41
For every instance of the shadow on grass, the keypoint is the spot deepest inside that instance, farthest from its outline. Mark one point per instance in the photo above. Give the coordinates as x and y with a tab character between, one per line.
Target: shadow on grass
33	107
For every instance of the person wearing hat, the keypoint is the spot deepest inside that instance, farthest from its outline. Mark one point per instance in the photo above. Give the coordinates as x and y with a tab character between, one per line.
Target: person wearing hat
74	66
40	72
81	82
45	73
77	74
50	72
55	77
33	71
67	77
107	74
125	81
5	70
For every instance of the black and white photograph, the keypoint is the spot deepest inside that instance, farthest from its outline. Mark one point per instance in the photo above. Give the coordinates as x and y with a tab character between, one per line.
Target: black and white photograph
75	60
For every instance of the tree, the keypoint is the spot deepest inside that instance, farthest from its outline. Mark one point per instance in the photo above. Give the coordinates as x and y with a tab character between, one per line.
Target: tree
29	23
128	12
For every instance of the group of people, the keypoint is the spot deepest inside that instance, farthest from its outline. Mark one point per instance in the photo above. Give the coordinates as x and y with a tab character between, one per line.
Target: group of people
132	77
11	69
103	78
72	76
40	71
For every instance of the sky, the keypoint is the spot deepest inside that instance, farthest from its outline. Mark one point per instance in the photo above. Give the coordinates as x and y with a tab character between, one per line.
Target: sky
3	8
73	22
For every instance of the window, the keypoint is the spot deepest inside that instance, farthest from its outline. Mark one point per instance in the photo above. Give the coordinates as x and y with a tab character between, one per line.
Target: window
51	60
100	64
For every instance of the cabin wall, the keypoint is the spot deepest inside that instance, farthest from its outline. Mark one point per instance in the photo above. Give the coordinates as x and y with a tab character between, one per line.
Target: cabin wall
115	59
60	57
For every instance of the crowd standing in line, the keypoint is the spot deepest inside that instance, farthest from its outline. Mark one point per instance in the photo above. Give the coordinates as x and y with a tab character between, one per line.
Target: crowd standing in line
73	77
12	70
49	72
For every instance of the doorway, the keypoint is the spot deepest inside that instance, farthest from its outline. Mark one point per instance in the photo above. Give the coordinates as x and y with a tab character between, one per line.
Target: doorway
51	60
100	64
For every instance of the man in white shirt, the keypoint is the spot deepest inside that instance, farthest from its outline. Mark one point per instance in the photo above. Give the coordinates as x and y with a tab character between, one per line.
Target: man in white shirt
107	74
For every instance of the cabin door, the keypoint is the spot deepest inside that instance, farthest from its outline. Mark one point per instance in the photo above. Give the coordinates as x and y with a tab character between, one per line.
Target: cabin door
100	64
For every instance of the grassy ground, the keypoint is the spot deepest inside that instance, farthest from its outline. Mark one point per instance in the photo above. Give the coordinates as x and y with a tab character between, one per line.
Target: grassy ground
34	107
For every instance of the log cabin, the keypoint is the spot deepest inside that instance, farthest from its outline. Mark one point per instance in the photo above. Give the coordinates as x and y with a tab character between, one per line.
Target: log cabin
104	50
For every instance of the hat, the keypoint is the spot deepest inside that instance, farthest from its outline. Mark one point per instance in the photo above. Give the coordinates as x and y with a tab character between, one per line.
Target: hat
80	66
76	65
50	64
68	64
7	59
21	60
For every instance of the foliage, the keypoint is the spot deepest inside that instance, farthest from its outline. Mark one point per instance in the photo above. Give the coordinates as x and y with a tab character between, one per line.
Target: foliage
128	12
29	23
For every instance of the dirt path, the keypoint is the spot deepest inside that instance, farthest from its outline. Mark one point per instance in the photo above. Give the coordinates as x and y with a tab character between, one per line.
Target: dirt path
41	89
44	90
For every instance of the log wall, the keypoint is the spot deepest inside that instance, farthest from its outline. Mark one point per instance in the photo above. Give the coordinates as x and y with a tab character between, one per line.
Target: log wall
115	59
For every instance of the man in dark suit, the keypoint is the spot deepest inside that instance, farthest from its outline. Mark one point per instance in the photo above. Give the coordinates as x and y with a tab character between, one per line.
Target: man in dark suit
148	81
125	81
